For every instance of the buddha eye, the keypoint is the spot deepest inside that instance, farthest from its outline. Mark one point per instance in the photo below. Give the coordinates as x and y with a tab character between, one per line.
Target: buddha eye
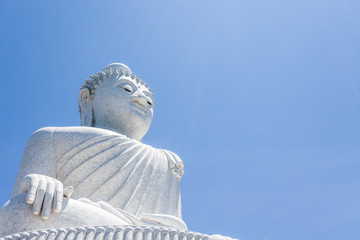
149	101
126	88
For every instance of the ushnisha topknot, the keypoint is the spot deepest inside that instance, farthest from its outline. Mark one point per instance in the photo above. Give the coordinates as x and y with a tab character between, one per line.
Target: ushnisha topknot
113	69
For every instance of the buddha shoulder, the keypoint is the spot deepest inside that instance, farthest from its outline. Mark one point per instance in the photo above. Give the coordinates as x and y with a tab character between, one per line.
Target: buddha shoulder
71	134
62	139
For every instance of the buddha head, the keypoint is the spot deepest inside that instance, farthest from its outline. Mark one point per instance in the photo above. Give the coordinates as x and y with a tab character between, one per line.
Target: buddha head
117	100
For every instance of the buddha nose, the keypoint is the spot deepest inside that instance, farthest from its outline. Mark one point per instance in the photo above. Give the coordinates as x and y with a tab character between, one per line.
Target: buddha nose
140	98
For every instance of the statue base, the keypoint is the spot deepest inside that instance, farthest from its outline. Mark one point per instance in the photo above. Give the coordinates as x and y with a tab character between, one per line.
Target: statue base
108	233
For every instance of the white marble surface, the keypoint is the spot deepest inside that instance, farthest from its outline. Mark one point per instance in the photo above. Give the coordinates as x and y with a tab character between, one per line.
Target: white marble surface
100	173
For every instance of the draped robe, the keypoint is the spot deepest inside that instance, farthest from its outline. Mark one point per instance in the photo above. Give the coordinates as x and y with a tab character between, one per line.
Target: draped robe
124	173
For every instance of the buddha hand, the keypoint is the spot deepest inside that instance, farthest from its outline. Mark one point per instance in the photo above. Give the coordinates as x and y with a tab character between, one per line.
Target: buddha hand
42	191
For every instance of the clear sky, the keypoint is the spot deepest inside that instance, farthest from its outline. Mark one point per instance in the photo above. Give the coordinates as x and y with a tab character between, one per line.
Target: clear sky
260	99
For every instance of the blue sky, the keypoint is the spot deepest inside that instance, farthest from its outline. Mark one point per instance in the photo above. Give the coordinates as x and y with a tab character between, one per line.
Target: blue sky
260	99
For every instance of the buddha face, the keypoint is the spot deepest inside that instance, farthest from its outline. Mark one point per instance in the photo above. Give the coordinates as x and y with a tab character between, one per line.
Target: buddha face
123	105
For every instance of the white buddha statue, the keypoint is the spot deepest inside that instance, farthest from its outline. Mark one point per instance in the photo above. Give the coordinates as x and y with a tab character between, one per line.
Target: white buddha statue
111	176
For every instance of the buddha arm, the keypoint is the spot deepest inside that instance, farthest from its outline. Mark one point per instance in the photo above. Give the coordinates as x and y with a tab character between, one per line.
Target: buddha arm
38	158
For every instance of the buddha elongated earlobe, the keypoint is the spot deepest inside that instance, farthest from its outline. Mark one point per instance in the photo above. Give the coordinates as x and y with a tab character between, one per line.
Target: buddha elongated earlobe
85	105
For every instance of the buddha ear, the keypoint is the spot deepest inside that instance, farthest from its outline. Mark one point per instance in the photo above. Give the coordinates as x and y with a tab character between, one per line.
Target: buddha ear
85	105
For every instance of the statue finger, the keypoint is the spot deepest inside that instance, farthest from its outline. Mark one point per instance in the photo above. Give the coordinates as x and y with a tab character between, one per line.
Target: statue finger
49	196
25	183
68	191
39	196
32	185
58	197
